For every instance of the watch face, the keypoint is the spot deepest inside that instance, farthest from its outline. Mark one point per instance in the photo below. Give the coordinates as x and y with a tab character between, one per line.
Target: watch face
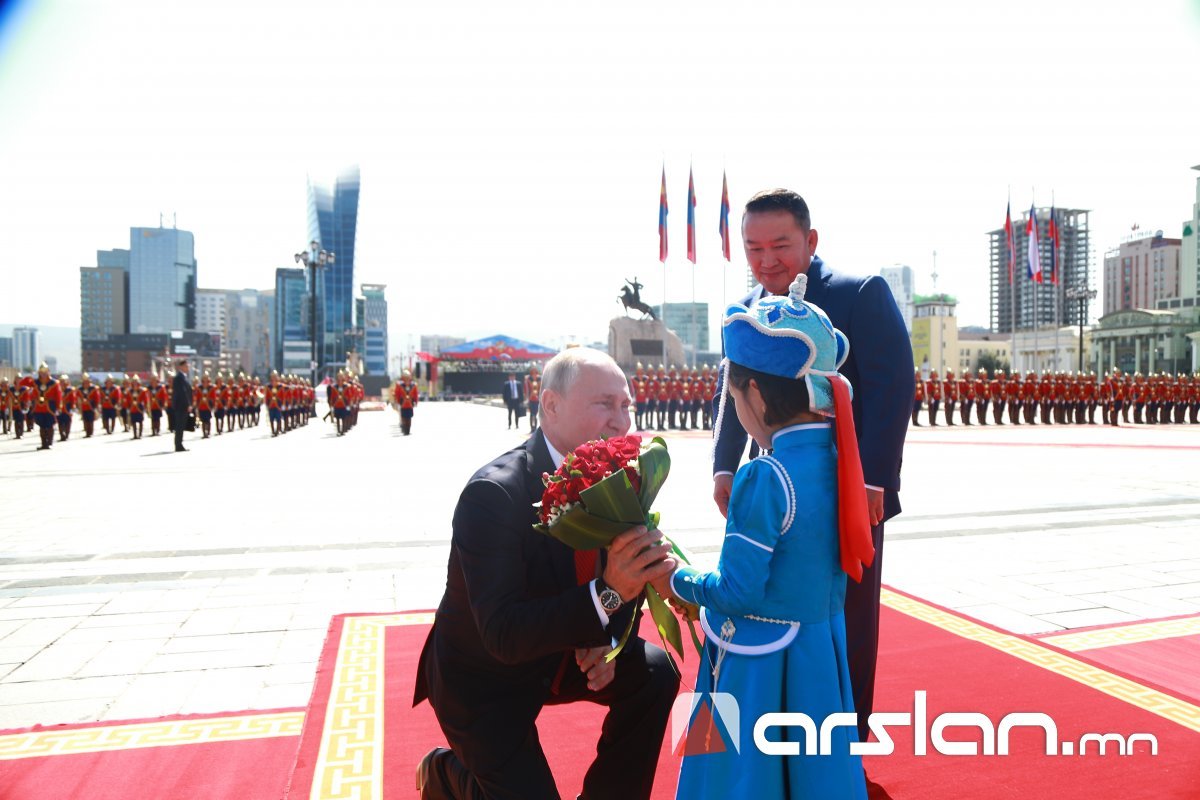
610	600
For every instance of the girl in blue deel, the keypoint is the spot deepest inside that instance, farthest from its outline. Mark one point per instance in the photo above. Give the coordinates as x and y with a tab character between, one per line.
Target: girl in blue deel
772	610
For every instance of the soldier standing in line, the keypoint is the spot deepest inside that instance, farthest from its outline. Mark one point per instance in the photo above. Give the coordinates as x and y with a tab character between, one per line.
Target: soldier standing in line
1012	394
966	396
157	394
708	391
1127	386
22	396
1137	398
1089	397
6	397
338	403
918	396
983	394
533	394
998	387
638	391
1118	396
664	397
673	398
685	398
274	411
1178	402
1194	398
126	394
933	396
139	400
206	400
66	408
1029	398
950	394
110	402
697	393
47	397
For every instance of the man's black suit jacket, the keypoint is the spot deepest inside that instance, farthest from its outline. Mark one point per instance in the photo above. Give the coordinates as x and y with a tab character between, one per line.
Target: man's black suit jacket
512	606
181	395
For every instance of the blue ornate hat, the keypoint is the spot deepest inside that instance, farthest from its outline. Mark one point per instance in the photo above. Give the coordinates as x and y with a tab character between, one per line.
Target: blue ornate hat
788	337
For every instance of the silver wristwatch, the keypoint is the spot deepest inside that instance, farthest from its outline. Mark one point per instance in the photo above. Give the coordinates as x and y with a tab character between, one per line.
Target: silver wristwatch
610	601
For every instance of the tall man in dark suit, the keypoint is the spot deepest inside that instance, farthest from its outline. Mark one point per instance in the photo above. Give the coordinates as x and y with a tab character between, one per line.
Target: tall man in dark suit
525	622
780	242
181	402
514	398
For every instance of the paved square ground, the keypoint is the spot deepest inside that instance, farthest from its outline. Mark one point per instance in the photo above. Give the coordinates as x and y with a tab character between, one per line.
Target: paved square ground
135	582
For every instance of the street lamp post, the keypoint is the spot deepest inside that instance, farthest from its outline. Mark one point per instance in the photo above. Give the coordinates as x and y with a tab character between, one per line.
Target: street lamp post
1081	293
314	258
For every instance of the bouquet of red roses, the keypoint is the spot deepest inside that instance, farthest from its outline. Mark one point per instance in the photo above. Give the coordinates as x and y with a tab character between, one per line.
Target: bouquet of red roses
602	489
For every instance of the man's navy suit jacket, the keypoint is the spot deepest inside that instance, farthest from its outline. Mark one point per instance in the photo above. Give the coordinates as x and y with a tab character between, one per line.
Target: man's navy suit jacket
879	367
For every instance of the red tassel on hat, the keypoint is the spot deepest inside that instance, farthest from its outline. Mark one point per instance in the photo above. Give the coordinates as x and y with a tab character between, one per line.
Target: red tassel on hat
854	520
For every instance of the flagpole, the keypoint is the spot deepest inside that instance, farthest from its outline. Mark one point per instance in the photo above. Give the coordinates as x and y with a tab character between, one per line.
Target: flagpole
1054	281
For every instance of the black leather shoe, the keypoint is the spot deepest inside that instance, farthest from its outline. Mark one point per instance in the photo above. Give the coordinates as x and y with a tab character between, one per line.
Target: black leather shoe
423	769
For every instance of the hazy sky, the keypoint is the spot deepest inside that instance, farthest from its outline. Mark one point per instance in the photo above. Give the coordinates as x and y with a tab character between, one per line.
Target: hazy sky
511	152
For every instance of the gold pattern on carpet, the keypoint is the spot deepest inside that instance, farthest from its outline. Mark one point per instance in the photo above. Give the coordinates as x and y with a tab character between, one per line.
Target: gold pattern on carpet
1125	634
103	738
1156	702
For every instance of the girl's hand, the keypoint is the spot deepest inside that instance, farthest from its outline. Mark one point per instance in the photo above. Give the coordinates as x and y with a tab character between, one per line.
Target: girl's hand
685	611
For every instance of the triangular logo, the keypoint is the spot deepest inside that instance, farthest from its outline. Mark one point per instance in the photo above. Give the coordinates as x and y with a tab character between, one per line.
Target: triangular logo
703	735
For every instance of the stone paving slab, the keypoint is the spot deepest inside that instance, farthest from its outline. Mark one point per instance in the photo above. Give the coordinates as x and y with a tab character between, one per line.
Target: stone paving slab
135	582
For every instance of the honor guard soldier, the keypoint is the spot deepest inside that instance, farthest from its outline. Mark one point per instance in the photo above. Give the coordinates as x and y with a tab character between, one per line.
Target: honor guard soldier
933	396
139	402
966	396
1194	399
1076	395
1045	397
339	403
110	404
1029	398
47	398
918	396
22	397
1118	395
684	400
1012	394
707	393
950	393
1178	399
651	400
673	398
639	390
533	395
663	391
697	401
271	396
1127	384
1089	393
126	395
66	408
157	395
997	392
407	396
206	399
219	396
6	400
983	395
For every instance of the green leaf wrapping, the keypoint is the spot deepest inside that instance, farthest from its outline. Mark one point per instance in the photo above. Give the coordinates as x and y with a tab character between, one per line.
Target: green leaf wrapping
615	500
580	530
654	464
665	621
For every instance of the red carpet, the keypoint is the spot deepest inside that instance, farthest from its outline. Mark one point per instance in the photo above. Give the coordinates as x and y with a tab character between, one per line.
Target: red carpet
237	756
361	738
339	742
966	666
1163	652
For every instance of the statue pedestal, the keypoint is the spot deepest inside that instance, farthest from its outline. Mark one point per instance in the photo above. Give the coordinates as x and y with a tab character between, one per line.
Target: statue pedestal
646	340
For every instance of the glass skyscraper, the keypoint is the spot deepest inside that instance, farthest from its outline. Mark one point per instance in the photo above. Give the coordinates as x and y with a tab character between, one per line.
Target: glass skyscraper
375	331
162	280
289	324
333	221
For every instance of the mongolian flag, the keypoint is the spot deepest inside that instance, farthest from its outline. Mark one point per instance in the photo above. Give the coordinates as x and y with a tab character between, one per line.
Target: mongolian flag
724	228
662	219
1054	246
691	233
1011	240
1034	252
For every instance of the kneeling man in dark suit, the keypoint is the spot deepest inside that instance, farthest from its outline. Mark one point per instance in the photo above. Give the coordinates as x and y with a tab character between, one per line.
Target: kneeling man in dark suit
518	629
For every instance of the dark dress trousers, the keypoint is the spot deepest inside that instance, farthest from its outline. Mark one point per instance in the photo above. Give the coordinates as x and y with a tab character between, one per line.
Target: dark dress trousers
880	368
502	647
181	401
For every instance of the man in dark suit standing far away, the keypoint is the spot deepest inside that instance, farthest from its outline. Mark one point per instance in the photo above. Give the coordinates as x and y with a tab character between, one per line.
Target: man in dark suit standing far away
780	243
514	397
181	402
525	621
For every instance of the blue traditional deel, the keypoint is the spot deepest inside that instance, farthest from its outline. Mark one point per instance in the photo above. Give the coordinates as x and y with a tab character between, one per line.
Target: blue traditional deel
788	337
